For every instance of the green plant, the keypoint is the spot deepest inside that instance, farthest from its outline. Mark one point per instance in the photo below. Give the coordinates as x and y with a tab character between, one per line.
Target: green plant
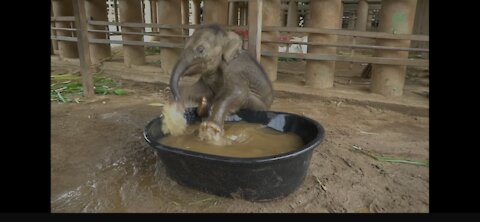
67	88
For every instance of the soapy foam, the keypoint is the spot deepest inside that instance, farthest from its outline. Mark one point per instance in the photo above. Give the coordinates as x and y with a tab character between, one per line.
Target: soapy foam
174	122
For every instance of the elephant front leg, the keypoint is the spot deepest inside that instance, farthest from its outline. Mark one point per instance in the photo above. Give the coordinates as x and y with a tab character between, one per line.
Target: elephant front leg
227	102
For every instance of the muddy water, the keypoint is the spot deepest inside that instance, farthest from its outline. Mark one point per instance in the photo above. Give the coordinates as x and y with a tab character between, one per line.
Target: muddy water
243	139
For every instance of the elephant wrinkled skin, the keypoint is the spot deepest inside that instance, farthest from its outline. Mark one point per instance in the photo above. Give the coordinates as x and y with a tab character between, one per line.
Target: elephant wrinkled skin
230	79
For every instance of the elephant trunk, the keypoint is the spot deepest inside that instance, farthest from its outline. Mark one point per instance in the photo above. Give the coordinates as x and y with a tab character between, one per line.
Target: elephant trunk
178	72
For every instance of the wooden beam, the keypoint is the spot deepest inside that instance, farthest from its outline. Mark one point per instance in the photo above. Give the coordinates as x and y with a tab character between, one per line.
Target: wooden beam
140	33
64	29
64	38
255	28
83	47
143	25
351	46
62	18
378	35
139	43
338	58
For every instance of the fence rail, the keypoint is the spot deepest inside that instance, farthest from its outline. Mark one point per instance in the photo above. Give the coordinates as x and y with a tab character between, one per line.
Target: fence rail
280	41
349	46
374	60
374	35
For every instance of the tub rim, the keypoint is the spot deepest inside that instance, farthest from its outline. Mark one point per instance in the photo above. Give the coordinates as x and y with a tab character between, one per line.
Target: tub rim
239	160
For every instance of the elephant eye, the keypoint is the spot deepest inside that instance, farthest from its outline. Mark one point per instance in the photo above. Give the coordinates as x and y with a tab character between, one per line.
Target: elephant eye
200	49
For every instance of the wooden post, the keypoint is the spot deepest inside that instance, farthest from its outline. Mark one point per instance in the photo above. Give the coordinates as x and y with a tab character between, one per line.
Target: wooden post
236	8
232	14
420	26
243	14
115	12
52	32
255	28
351	21
352	50
142	10
185	15
246	14
84	50
155	19
342	12
369	21
153	12
395	17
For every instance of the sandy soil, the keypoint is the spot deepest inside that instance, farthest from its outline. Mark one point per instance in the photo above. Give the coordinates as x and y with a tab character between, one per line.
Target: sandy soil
100	162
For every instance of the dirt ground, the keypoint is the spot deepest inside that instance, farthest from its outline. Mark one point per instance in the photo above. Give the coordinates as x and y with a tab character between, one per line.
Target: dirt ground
101	163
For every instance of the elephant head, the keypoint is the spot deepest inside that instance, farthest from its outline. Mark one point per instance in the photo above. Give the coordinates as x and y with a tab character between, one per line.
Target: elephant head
207	49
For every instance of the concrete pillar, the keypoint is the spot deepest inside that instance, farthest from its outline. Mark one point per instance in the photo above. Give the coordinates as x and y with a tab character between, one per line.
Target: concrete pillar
196	12
292	15
65	8
323	14
271	17
169	12
97	11
215	11
395	17
362	13
131	11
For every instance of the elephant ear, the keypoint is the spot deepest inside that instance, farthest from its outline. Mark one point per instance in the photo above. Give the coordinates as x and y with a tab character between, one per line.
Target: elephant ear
232	47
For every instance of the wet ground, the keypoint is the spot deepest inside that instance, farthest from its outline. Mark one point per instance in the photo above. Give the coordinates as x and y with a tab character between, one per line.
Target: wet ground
101	163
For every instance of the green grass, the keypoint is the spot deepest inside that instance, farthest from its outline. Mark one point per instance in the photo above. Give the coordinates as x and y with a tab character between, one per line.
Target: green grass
382	158
68	87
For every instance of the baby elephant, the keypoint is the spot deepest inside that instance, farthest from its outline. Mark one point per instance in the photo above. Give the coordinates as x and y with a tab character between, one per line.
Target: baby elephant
230	79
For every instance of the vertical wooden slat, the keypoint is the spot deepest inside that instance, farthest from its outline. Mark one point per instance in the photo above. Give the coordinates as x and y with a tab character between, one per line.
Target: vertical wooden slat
83	47
142	6
115	9
153	12
255	27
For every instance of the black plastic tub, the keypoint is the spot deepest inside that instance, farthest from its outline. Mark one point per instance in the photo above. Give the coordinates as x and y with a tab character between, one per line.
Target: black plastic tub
255	179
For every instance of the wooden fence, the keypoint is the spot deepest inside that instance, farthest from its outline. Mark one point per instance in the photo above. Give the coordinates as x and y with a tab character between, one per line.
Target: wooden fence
251	34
